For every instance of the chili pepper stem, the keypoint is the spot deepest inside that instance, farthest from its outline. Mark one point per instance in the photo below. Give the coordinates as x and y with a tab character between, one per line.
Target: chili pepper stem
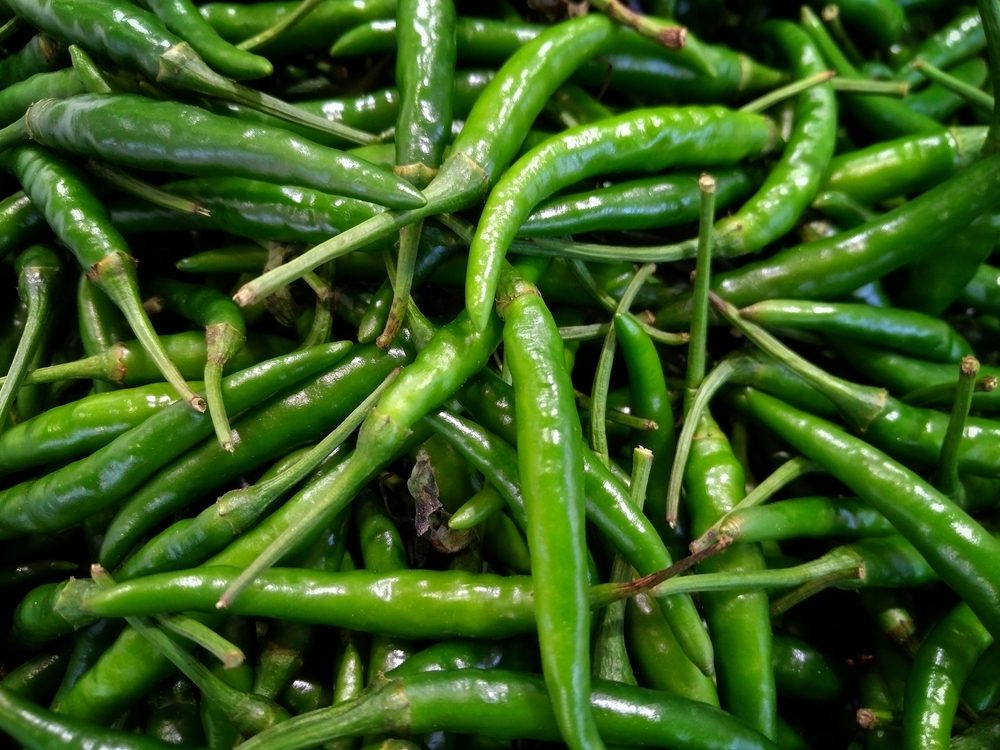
402	282
948	479
181	65
115	274
860	404
697	353
717	378
228	653
251	713
720	532
288	21
787	91
222	342
457	183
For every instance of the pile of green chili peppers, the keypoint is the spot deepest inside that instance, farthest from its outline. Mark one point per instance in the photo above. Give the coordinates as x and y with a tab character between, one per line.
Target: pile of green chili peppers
410	374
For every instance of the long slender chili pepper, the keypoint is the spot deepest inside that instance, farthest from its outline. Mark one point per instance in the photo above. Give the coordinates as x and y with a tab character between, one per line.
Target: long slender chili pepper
432	700
908	332
140	132
425	70
954	544
247	207
905	165
834	266
79	427
493	132
182	18
940	667
38	269
79	220
644	139
78	490
238	21
138	40
551	475
34	726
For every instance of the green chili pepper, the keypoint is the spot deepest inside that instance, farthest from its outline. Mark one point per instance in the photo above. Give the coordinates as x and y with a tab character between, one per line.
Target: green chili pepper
455	700
649	203
38	727
79	220
238	21
493	132
139	132
644	139
834	266
907	332
954	544
41	54
182	18
225	335
38	270
945	657
137	39
80	489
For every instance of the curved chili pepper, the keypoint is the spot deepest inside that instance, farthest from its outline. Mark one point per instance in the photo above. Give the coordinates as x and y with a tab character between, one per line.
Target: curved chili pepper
38	269
137	39
954	544
41	54
80	221
639	140
940	667
74	429
80	489
225	335
35	726
794	181
182	18
493	132
648	203
238	21
139	132
834	266
455	700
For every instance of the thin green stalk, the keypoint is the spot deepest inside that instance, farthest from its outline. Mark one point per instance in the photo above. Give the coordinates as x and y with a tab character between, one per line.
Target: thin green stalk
697	346
605	361
971	94
273	32
948	480
840	563
201	635
945	392
787	91
788	472
809	589
708	388
614	416
132	185
831	16
402	281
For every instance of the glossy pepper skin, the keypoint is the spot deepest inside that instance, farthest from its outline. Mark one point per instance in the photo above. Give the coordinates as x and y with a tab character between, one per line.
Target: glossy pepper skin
550	462
136	131
834	266
80	489
956	546
640	140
